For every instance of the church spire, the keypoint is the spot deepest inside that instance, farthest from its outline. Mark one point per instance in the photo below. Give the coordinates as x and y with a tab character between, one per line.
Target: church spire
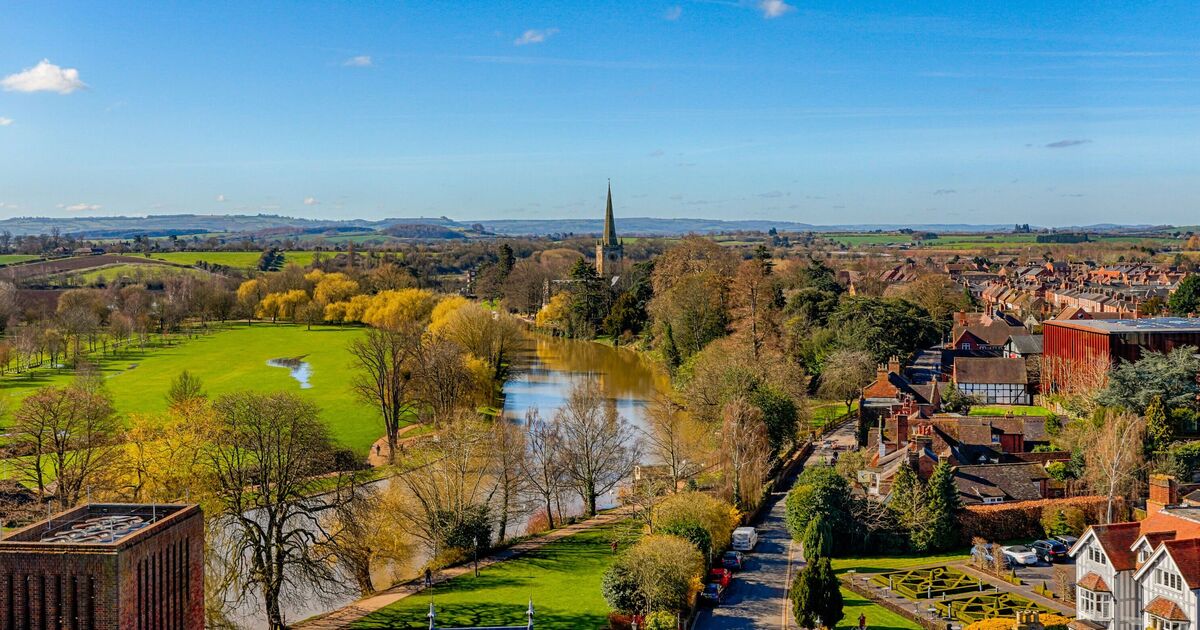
610	228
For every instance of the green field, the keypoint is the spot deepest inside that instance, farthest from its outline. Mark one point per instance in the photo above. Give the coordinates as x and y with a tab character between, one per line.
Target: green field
8	259
136	272
562	578
239	260
1016	410
231	360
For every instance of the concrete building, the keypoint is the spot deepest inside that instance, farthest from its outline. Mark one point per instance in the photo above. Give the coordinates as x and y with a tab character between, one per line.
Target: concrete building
106	566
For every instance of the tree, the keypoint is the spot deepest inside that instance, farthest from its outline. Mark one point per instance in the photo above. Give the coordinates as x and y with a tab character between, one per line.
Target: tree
884	327
542	465
745	451
755	308
269	456
656	573
1185	300
673	439
597	444
816	596
386	377
945	506
681	512
954	401
184	389
366	536
1159	432
1114	457
691	287
1170	377
510	485
938	295
71	435
818	539
845	374
589	300
819	490
910	504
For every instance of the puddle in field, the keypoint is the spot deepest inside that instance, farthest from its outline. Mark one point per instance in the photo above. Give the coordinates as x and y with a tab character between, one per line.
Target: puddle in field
298	367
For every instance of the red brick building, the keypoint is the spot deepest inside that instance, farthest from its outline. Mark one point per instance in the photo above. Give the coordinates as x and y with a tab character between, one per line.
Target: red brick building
102	567
1080	345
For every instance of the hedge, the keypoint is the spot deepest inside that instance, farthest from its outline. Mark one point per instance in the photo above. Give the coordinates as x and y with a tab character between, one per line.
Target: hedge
1006	521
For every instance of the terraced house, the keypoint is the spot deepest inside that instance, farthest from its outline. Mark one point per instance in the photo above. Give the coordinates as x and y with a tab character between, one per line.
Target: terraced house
1142	574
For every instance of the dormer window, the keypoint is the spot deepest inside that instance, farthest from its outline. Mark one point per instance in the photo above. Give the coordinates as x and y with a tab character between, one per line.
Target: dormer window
1096	554
1143	555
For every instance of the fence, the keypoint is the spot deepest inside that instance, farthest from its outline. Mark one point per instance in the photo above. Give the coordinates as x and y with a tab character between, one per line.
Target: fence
528	625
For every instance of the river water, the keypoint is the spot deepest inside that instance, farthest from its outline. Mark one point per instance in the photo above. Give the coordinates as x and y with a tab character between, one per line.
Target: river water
545	370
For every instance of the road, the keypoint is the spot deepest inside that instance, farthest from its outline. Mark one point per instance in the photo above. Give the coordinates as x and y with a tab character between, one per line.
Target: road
758	596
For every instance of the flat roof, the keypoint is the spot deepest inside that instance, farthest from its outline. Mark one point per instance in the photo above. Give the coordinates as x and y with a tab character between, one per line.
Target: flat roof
105	524
1150	325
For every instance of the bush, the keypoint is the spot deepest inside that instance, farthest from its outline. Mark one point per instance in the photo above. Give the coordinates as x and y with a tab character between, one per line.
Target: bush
819	490
1063	521
661	620
620	590
685	509
692	532
665	570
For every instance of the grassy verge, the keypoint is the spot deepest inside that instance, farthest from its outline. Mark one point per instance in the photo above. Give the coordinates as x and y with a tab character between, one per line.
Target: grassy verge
562	578
878	617
1016	410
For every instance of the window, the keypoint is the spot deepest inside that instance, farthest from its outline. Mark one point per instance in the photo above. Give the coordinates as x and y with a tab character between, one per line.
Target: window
989	500
1169	579
1095	605
1143	555
1158	623
1096	554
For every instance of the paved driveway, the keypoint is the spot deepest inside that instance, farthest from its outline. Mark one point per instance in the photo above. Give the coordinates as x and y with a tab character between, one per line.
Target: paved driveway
758	596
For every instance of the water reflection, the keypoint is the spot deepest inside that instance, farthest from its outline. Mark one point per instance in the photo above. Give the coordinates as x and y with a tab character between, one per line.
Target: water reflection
300	369
549	367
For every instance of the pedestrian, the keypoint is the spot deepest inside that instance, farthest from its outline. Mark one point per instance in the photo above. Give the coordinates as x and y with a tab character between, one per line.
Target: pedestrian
862	621
428	577
613	545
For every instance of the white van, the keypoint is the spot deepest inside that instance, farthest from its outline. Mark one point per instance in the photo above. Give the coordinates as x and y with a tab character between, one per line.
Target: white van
744	539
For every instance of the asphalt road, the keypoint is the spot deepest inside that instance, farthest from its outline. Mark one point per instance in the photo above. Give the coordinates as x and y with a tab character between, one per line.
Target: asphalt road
758	595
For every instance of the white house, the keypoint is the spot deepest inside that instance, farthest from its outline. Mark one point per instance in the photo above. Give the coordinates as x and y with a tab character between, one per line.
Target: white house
993	380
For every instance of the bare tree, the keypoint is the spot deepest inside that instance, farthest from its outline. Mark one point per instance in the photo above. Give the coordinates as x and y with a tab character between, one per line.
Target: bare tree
598	445
1113	459
745	449
444	381
542	464
70	434
386	377
509	485
368	535
673	439
269	456
844	375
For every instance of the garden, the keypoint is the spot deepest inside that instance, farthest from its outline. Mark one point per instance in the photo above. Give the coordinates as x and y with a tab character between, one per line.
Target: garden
987	606
929	583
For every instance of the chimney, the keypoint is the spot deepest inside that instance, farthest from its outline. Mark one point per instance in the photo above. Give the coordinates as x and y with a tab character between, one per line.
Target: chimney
1164	491
893	365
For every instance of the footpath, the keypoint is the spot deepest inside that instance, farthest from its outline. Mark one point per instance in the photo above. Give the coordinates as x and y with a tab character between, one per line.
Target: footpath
344	617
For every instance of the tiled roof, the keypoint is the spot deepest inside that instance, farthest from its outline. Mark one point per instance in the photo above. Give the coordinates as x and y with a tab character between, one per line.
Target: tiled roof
990	371
1094	583
1164	608
1015	482
1116	539
1186	554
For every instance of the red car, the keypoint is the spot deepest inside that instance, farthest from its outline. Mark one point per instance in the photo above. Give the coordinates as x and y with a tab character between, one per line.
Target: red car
720	576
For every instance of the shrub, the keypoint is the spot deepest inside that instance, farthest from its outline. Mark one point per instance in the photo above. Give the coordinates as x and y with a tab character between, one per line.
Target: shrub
685	509
1063	521
661	620
663	570
692	532
1024	519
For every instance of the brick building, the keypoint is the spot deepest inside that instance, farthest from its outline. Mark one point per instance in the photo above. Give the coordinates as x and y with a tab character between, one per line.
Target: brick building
1080	345
106	566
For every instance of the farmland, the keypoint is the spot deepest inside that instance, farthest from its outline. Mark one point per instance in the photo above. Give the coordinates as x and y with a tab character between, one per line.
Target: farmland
237	260
230	360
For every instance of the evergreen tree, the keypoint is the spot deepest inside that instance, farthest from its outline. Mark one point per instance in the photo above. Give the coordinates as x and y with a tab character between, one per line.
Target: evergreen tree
505	258
816	596
818	539
1186	298
944	508
1159	432
669	349
589	300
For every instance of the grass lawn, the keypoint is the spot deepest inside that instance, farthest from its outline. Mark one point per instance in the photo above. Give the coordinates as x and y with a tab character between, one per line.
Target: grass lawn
878	564
878	617
563	578
826	412
1017	410
241	260
230	360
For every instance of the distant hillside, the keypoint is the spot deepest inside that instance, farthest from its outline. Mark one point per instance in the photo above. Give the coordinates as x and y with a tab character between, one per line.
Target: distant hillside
275	225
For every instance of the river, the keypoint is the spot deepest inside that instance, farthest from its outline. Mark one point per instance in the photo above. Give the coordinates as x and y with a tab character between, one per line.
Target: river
545	370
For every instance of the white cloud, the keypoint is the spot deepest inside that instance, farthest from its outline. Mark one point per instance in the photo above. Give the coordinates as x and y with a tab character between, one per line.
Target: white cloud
772	9
4	122
44	77
360	61
4	205
535	36
311	201
221	198
81	207
673	13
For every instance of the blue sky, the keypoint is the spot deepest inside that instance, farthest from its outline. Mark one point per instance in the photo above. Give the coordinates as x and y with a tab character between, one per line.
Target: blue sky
980	112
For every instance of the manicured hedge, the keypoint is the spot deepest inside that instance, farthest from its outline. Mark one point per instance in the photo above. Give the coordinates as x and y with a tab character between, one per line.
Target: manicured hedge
1007	521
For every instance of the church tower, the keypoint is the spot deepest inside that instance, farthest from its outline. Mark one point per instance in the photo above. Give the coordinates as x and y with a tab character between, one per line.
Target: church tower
610	252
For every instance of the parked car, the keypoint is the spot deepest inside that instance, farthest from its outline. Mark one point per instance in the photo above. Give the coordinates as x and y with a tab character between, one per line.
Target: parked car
720	576
1020	554
989	551
713	594
1069	541
1050	550
744	539
733	560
